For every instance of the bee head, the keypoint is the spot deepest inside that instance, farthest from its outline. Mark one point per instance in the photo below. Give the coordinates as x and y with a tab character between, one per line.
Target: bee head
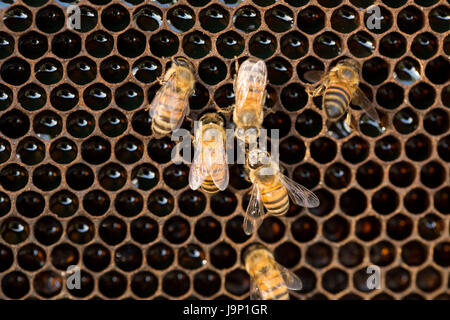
212	117
251	249
349	69
257	158
183	62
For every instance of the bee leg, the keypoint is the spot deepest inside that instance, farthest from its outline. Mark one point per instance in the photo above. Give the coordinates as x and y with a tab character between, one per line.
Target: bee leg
350	121
226	110
267	110
314	92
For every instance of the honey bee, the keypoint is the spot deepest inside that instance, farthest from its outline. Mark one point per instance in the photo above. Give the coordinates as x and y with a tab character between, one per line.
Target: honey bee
250	94
271	189
170	104
340	87
269	280
209	169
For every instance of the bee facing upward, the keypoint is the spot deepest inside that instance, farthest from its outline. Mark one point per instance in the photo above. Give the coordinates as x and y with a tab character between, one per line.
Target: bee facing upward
170	104
250	93
269	280
209	168
271	189
340	87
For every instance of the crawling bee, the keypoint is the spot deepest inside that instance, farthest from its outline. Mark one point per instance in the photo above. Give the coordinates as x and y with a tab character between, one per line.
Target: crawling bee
170	104
340	87
209	168
271	189
269	280
250	94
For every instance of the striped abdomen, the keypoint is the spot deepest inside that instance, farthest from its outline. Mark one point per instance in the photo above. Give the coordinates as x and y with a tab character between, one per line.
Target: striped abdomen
219	175
272	286
336	100
168	112
275	198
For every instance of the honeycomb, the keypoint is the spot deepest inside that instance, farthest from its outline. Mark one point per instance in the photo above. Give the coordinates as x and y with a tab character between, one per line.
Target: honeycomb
83	182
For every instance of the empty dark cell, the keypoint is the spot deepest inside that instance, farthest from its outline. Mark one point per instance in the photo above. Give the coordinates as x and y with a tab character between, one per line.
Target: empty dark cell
144	284
144	229
361	280
115	18
319	255
147	69
431	226
207	229
309	64
176	176
160	256
148	18
32	45
96	202
30	204
436	121
304	229
63	151
81	70
368	228
6	45
96	257
128	257
99	44
247	19
407	71
355	150
199	98
212	70
214	18
271	230
307	175
223	255
224	96
399	227
197	45
48	283
15	284
444	148
79	176
422	95
414	253
112	284
87	284
336	228
112	176
141	122
279	71
344	19
393	45
129	149
262	45
398	279
432	174
181	18
176	283
31	257
5	204
18	18
382	296
114	69
441	254
13	177
410	19
80	230
223	203
311	19
382	253
416	200
405	121
31	97
145	176
6	96
439	19
192	203
46	177
418	148
287	254
327	45
207	282
112	230
327	203
191	257
309	124
335	280
66	44
329	3
96	150
424	45
7	257
235	231
402	174
15	71
279	18
442	200
294	97
64	255
429	279
50	71
337	176
438	70
378	23
47	124
30	150
80	124
361	44
353	202
176	230
292	150
237	282
113	123
88	18
385	201
237	177
323	150
375	71
164	44
131	43
47	230
64	97
293	45
160	202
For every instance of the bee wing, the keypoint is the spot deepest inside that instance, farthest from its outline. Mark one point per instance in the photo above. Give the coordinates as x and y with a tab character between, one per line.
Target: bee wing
254	213
246	79
299	194
255	294
314	75
360	99
291	280
155	103
217	161
198	173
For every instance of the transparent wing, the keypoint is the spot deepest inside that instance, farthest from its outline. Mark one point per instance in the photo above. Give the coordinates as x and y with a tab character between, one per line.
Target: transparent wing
251	75
198	172
299	194
255	294
254	213
217	164
290	279
360	99
314	75
155	102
